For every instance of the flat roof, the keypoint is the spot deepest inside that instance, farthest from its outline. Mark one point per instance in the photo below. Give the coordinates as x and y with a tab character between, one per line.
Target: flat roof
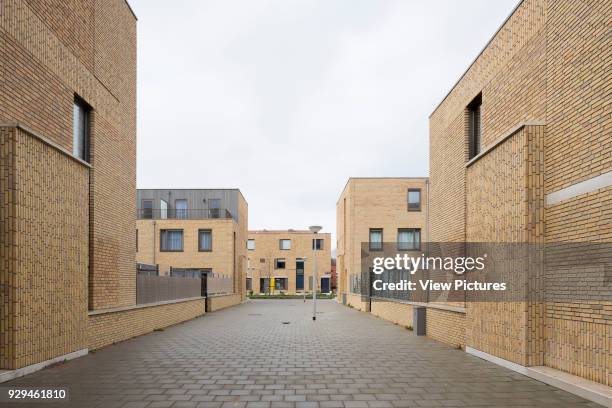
199	189
378	178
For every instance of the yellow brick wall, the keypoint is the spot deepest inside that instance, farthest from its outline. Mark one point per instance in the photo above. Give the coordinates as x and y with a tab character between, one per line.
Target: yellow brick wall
356	301
107	328
218	302
44	213
544	64
446	326
267	247
396	312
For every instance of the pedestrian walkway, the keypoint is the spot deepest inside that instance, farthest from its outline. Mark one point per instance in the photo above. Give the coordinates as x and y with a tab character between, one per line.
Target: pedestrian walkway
270	354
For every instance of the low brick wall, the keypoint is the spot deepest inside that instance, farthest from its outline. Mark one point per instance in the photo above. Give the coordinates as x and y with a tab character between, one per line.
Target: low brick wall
396	312
218	302
446	326
108	327
355	301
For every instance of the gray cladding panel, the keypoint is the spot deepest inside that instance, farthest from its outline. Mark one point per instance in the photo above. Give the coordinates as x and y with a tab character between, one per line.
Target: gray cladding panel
196	199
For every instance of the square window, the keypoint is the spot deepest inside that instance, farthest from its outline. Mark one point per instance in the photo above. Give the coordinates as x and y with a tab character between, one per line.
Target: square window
317	244
284	244
171	240
408	239
279	263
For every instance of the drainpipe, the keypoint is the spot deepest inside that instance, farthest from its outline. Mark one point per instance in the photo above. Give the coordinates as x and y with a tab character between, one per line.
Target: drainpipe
154	233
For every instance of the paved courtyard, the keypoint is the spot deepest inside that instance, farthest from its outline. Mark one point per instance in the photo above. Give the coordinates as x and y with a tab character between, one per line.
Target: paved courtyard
270	354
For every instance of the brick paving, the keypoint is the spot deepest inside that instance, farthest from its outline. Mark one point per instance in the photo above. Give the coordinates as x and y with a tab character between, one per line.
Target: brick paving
246	357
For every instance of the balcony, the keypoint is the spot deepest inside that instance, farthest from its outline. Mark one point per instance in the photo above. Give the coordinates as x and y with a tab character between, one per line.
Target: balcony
182	214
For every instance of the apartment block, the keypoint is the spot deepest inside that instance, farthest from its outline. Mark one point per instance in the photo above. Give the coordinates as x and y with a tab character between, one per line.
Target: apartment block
68	183
376	212
521	152
195	232
282	261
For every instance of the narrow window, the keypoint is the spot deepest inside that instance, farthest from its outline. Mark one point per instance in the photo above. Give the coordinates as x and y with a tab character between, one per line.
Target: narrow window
163	209
279	263
136	239
284	244
376	239
317	244
474	126
408	239
414	199
214	207
249	284
205	240
146	211
171	240
80	128
251	244
181	208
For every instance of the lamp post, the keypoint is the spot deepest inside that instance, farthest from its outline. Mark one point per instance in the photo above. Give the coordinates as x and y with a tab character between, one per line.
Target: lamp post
314	229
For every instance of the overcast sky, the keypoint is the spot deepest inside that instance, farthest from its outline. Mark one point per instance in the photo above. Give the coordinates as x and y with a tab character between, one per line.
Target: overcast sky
287	99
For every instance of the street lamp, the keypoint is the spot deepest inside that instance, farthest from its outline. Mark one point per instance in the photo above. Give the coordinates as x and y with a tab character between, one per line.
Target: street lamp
314	229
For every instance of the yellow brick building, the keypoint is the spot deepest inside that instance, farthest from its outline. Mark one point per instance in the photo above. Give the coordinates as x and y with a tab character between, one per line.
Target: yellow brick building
281	261
194	230
378	210
521	152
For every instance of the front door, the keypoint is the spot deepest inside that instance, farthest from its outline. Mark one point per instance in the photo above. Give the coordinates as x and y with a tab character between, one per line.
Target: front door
324	285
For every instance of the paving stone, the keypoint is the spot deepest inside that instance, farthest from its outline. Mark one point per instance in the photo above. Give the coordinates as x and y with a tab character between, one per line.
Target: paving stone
243	357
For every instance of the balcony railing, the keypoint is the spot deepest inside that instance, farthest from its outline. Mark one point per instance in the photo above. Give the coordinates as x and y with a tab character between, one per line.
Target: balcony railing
179	214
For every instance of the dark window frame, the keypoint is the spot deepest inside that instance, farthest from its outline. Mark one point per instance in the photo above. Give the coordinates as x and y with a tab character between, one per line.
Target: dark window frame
382	239
414	190
253	241
276	263
200	239
316	241
86	142
161	231
136	239
474	117
409	230
142	208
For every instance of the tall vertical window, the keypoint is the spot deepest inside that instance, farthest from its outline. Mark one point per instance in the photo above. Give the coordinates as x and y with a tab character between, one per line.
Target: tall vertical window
171	240
205	240
137	240
251	244
408	239
80	129
474	126
317	244
284	244
147	209
163	209
181	208
414	199
214	206
376	239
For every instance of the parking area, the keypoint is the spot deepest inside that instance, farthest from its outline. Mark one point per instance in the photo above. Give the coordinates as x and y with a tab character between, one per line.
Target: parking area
270	354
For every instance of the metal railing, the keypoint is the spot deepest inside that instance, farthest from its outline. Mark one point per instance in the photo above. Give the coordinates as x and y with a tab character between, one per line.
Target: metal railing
151	289
179	214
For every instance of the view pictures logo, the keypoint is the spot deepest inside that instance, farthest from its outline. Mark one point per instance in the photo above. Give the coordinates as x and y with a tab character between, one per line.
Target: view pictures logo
458	265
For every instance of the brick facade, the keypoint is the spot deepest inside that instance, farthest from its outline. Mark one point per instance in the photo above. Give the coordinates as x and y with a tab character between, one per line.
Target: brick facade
545	127
267	248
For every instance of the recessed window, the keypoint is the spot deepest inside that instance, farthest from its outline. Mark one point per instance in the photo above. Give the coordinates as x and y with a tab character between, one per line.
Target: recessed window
205	240
249	283
80	128
280	283
181	208
475	126
284	244
251	244
147	209
376	239
171	240
408	239
279	263
414	199
136	240
317	244
214	207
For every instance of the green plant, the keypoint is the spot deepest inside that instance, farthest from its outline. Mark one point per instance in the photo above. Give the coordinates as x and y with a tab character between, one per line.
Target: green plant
409	328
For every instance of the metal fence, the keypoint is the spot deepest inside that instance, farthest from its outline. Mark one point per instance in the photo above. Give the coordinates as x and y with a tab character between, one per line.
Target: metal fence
218	283
147	269
182	214
150	289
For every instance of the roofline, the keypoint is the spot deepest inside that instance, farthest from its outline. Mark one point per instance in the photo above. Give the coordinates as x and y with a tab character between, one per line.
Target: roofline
377	178
200	189
476	59
131	9
285	232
